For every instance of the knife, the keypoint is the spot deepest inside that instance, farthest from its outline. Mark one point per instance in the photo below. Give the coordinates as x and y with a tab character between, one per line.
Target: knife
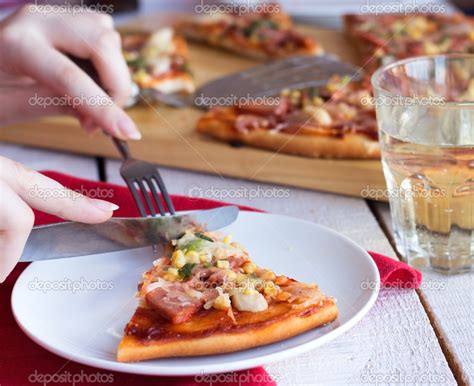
72	239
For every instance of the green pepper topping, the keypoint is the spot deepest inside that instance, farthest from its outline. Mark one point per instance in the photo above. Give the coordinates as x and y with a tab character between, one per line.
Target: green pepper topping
255	25
186	271
139	62
203	236
193	245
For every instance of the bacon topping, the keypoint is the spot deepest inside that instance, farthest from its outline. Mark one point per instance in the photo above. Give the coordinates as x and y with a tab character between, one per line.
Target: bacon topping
236	262
173	303
248	122
336	109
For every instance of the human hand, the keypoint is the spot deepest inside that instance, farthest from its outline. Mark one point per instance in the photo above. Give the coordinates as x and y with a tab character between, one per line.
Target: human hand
17	183
34	65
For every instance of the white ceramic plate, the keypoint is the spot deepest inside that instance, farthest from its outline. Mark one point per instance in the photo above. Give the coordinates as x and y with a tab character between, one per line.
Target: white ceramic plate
78	307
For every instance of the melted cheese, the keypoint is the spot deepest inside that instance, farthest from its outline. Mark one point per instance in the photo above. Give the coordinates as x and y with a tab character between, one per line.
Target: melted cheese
161	65
160	283
217	249
251	301
159	44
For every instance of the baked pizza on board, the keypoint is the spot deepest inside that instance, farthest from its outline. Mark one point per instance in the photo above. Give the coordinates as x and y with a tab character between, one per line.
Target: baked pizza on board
335	121
206	296
158	60
258	35
389	37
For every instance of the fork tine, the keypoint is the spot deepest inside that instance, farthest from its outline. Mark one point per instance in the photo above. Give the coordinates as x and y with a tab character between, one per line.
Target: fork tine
156	197
164	192
136	197
145	194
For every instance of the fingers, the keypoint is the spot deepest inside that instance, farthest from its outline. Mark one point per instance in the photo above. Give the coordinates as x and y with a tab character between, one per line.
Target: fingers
29	102
94	38
47	195
102	19
31	47
55	70
16	221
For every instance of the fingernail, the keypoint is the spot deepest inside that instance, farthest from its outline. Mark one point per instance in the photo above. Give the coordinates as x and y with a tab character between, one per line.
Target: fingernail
103	205
128	128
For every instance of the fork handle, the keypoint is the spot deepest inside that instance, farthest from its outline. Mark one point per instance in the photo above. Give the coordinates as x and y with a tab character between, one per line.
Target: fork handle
122	147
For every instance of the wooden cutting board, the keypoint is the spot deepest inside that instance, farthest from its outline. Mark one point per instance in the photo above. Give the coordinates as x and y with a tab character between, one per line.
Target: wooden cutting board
169	138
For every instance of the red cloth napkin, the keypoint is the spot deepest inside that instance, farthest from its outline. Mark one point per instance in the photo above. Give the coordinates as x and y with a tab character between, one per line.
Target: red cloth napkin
23	362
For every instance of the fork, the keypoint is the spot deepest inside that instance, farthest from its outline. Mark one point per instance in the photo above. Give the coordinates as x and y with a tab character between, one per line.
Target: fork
140	175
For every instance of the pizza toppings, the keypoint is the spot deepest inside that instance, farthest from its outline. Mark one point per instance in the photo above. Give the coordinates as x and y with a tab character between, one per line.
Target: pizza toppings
269	34
249	300
394	36
173	304
157	60
340	107
205	272
257	34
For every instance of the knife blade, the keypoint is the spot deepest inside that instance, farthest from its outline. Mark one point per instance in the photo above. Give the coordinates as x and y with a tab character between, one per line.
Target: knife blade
71	239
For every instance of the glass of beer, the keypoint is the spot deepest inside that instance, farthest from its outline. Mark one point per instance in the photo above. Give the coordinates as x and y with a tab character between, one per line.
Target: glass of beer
425	115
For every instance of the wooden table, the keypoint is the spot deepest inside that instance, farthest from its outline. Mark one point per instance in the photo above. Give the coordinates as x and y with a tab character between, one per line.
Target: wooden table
408	337
422	337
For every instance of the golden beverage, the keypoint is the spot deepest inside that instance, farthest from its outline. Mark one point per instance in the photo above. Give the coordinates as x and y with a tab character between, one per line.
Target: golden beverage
431	193
425	114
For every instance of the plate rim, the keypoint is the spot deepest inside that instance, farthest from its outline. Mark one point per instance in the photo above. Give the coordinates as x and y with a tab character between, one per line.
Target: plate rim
241	364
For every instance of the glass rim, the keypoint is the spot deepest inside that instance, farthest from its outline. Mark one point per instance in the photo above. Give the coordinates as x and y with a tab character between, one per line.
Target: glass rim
376	76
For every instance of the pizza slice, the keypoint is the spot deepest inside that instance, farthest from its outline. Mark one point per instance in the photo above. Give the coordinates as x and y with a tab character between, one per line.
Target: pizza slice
158	60
205	296
258	35
383	39
335	121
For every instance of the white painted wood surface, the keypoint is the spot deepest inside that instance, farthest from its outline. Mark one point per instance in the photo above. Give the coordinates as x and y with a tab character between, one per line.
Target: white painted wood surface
394	342
39	159
450	304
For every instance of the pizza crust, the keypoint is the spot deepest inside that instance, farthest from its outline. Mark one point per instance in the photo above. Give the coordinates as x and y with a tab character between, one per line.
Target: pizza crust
173	84
293	323
314	145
